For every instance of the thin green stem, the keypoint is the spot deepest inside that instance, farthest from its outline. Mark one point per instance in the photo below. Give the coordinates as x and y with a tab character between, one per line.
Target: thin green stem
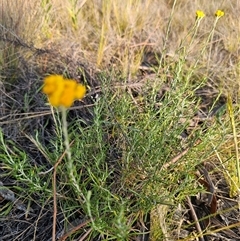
69	155
167	35
66	138
209	40
231	115
195	30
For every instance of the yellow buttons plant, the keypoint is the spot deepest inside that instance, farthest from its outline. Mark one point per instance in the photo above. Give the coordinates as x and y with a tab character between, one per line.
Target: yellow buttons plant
200	14
219	13
62	92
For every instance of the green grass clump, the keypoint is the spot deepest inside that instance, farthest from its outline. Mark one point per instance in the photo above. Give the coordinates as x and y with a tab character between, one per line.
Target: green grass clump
118	161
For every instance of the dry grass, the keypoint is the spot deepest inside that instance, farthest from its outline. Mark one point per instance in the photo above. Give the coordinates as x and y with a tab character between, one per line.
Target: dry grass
115	34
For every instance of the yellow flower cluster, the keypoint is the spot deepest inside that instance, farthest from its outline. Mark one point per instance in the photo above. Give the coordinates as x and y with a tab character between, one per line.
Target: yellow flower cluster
219	13
200	14
62	92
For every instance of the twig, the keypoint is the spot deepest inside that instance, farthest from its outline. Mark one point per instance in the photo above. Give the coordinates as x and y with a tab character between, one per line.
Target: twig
55	193
32	115
210	185
19	42
180	155
65	236
85	235
195	219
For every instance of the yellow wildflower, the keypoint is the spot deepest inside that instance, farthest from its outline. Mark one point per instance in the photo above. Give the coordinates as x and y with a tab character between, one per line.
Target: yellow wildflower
53	83
62	92
200	14
219	13
80	91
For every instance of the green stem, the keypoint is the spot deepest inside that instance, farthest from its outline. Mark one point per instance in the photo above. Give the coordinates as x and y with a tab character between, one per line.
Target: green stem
69	156
231	115
65	134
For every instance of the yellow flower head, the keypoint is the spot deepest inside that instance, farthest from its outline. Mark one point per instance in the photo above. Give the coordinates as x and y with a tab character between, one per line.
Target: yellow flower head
200	14
62	92
219	13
